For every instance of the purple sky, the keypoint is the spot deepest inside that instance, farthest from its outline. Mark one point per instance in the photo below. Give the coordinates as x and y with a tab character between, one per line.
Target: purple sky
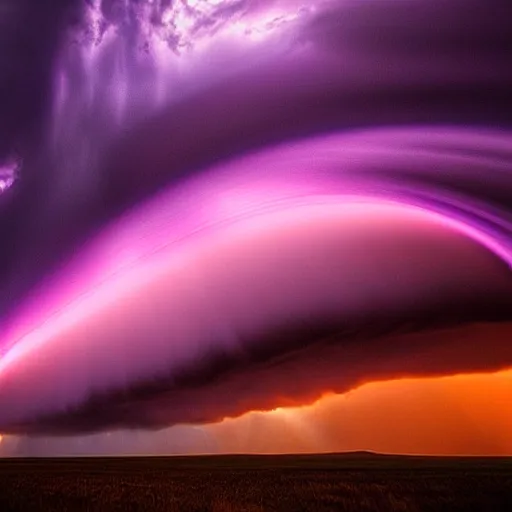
209	200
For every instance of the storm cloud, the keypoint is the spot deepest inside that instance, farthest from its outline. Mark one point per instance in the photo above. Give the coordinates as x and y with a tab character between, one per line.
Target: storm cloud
233	206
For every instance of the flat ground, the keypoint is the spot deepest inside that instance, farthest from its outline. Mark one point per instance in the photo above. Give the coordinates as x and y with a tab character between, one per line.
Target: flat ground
352	482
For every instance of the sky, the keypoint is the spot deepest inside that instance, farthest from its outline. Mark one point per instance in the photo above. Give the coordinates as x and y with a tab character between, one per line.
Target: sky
267	226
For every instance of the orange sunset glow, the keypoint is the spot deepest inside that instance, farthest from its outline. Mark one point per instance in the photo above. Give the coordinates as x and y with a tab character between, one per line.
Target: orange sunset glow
457	415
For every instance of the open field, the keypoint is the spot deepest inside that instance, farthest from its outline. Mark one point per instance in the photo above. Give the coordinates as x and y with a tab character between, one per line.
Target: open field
353	482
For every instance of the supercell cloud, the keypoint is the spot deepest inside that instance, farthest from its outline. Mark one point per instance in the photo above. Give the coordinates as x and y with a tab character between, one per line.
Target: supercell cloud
214	207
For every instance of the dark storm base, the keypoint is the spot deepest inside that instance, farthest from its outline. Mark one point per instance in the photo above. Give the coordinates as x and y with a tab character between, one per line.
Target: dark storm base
353	482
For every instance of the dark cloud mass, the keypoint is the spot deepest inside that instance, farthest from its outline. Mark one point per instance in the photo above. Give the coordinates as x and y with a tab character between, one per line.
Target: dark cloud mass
227	206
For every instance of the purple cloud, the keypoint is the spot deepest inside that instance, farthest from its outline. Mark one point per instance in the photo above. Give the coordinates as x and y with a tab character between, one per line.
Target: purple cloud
226	197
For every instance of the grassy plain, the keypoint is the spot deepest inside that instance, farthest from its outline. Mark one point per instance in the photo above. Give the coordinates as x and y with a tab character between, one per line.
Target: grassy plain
353	482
